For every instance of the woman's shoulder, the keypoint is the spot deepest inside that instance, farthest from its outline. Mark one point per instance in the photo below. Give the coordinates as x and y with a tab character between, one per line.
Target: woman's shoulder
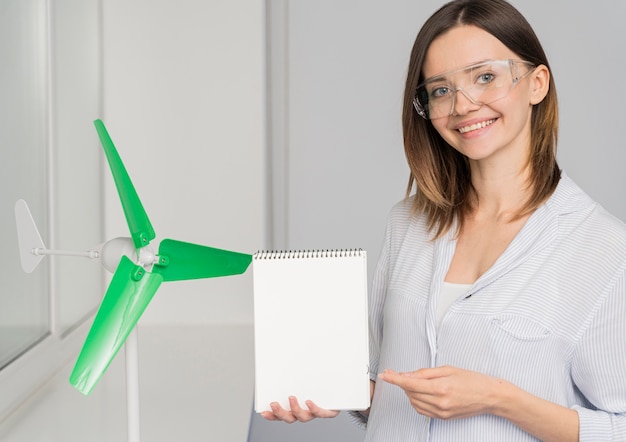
404	217
402	208
578	211
403	212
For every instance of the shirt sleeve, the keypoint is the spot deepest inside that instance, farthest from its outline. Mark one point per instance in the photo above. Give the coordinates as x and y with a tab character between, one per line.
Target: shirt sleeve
359	419
599	369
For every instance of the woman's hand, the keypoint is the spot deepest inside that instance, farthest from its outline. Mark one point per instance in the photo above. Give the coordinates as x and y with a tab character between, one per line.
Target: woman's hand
297	413
447	392
452	393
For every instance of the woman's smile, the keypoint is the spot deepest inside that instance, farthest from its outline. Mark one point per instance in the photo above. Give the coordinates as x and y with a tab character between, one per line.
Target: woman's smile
475	126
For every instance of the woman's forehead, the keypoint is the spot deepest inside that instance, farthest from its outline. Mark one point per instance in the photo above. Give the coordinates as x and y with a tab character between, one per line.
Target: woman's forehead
462	46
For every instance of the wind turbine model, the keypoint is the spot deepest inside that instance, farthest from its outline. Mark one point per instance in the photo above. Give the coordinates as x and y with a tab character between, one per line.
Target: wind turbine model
137	270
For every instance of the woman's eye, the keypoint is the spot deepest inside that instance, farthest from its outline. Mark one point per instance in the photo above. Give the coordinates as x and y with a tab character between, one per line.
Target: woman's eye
485	78
439	92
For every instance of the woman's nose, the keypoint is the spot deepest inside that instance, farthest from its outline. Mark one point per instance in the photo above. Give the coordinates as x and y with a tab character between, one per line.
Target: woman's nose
462	103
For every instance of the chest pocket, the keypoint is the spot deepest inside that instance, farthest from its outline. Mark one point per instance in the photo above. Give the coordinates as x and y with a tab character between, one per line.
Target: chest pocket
520	328
527	353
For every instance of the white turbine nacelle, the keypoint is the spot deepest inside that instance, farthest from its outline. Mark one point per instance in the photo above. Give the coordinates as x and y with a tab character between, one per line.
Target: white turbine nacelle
113	250
117	247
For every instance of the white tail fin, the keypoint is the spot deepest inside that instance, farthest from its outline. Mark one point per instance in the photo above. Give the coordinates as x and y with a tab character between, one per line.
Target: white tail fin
28	237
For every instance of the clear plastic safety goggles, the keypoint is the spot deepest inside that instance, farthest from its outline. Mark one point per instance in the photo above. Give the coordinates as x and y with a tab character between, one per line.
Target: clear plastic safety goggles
481	83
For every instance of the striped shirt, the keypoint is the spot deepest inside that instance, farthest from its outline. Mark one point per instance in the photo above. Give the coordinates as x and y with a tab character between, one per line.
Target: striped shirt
548	316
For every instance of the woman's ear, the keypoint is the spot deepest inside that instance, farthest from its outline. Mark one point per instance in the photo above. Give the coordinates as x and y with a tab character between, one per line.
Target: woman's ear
540	84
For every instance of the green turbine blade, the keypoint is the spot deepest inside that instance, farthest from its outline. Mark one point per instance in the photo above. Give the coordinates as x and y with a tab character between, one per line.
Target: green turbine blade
127	297
181	260
138	223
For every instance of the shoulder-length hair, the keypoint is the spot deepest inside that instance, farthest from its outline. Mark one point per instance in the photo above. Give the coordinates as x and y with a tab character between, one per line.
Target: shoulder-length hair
440	175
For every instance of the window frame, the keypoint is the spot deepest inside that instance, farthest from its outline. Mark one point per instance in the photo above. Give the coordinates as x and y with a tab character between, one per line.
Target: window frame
35	366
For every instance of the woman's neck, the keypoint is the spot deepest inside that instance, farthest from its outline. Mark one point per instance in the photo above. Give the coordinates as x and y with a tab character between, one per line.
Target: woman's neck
501	191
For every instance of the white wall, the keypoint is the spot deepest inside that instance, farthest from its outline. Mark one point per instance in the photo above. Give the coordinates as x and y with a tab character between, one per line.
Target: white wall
184	104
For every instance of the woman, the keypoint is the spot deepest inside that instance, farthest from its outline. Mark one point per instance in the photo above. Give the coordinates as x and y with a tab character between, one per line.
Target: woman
498	309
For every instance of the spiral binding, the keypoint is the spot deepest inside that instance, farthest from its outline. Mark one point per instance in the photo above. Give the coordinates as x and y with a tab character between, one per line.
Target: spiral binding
302	254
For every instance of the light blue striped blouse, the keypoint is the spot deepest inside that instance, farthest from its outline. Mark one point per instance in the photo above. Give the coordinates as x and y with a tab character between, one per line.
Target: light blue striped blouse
549	316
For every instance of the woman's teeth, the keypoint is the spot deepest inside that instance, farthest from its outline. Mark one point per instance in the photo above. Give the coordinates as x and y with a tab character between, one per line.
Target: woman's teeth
475	126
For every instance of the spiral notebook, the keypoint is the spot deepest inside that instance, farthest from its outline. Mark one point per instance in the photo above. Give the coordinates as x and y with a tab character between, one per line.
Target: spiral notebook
311	329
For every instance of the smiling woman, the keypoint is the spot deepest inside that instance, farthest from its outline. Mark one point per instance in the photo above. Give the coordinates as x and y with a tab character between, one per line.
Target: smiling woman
492	210
535	268
427	143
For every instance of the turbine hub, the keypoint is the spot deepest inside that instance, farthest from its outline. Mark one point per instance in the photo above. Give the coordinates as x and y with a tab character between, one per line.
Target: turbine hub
146	258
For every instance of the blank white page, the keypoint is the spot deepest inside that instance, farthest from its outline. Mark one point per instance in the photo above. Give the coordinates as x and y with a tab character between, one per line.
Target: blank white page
310	329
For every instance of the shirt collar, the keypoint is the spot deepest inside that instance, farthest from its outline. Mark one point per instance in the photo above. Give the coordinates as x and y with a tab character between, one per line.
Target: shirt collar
539	231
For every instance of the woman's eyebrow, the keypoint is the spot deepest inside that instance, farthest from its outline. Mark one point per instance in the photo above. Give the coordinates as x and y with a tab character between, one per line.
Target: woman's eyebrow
442	76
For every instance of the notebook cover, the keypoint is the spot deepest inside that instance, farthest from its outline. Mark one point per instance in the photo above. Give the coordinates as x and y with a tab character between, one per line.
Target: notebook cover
311	329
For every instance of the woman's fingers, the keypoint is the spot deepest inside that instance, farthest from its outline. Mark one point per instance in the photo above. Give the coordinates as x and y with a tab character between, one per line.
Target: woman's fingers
281	414
269	416
297	412
320	412
301	414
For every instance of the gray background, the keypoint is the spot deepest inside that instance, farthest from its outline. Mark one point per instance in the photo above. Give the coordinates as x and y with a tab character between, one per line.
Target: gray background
339	71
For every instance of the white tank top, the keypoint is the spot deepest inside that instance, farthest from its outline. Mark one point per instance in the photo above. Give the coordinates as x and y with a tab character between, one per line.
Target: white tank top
450	292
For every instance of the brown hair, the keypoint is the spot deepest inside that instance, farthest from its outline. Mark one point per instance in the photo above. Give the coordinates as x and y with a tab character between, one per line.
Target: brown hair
440	175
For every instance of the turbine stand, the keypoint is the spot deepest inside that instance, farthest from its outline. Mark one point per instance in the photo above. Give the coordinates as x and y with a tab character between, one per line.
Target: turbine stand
132	386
